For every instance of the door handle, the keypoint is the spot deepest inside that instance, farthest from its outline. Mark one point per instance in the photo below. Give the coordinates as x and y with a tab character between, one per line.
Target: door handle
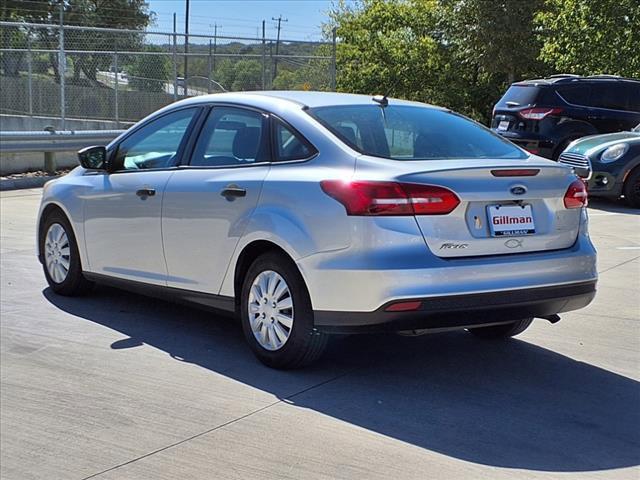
233	191
146	192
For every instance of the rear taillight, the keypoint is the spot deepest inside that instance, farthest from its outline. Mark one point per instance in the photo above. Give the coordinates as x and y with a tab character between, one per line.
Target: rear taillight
576	196
538	113
390	198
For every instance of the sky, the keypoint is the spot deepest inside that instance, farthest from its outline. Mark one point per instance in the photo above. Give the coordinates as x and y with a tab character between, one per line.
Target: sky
244	17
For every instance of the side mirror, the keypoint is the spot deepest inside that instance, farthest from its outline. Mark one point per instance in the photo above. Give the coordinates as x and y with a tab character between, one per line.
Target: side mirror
93	158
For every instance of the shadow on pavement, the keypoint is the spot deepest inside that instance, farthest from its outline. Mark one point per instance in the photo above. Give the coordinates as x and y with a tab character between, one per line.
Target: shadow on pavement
613	206
509	404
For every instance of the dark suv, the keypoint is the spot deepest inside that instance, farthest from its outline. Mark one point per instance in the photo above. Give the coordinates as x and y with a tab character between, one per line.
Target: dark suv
545	115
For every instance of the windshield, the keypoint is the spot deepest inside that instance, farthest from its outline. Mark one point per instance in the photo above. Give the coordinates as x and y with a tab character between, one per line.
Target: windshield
402	132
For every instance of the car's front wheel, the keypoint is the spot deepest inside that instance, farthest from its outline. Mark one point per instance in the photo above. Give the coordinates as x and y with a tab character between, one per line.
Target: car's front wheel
502	331
60	257
276	314
632	188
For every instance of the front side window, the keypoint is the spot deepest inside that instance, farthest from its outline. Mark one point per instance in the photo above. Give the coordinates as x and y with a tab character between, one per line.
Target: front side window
290	145
156	144
403	132
231	137
610	95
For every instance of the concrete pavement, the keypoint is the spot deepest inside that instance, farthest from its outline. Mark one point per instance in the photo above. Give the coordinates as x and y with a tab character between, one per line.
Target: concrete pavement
116	386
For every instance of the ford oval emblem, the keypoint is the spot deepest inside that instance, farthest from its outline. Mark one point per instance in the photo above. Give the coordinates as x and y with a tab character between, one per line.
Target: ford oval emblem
518	190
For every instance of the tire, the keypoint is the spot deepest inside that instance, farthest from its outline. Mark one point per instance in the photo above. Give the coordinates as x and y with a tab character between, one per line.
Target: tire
560	148
303	344
502	331
631	189
58	256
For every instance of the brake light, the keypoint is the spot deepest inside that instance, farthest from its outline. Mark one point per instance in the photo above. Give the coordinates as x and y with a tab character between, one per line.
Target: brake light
372	198
576	196
516	172
538	113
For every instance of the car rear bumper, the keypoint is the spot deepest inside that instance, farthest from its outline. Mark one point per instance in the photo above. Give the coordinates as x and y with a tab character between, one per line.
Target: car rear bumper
461	311
348	281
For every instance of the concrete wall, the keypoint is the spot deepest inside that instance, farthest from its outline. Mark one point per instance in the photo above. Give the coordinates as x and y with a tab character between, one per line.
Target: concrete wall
32	162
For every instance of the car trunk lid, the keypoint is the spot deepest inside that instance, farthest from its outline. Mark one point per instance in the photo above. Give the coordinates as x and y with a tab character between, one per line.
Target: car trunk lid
504	208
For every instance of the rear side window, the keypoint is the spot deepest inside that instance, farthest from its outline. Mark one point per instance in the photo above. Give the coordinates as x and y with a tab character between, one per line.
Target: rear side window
231	137
289	144
403	132
520	96
576	94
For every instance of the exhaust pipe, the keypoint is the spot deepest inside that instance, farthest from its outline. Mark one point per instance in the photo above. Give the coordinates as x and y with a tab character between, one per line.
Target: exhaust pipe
555	318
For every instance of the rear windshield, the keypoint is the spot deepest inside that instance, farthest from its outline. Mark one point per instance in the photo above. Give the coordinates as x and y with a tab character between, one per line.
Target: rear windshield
519	96
402	132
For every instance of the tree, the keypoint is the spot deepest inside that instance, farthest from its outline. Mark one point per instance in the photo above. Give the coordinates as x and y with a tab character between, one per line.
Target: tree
498	36
149	72
247	75
455	53
591	37
131	14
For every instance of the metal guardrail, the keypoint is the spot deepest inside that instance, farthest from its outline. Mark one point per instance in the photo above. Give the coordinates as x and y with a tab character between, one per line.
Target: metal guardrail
51	141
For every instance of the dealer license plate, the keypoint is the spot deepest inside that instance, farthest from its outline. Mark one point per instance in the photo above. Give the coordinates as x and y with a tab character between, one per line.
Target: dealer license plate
503	125
511	220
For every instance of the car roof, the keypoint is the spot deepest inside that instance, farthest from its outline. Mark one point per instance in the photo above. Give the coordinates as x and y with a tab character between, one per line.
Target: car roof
566	78
309	99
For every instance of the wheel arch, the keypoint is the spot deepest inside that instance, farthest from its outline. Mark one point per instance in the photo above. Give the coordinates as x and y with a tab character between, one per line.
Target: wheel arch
247	256
46	210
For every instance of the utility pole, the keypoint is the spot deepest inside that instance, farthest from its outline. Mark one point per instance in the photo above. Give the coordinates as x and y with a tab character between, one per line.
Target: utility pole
186	48
212	58
175	60
275	64
62	66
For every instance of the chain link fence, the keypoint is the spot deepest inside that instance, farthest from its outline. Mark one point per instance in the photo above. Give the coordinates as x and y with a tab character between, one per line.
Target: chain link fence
70	72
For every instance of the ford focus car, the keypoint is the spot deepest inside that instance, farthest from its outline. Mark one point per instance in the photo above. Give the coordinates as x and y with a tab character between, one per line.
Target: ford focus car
307	214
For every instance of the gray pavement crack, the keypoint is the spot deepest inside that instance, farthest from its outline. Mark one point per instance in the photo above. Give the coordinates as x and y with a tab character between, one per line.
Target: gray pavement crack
222	425
619	265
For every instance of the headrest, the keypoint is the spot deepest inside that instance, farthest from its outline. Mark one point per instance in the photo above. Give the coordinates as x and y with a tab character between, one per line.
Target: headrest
347	132
246	143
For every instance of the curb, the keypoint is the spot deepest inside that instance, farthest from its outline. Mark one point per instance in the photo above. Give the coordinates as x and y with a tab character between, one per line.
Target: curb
27	182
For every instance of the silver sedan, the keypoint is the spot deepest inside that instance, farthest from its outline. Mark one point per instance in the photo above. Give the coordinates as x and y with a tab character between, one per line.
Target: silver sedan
307	214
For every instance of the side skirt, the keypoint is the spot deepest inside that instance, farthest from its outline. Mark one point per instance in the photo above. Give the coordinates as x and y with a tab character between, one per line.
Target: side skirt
219	303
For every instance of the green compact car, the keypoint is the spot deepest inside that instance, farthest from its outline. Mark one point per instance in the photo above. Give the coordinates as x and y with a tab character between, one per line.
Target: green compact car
610	163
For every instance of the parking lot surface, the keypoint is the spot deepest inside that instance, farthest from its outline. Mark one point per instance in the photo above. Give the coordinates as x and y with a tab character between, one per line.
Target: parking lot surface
117	386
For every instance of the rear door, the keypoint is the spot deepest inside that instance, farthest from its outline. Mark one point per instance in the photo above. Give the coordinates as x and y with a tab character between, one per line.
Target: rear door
208	202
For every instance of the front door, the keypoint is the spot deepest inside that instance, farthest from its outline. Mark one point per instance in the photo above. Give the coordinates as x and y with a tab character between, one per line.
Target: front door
123	209
208	203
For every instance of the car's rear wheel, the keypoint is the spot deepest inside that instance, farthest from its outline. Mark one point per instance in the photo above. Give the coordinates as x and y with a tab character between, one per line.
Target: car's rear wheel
502	331
631	188
276	314
60	257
